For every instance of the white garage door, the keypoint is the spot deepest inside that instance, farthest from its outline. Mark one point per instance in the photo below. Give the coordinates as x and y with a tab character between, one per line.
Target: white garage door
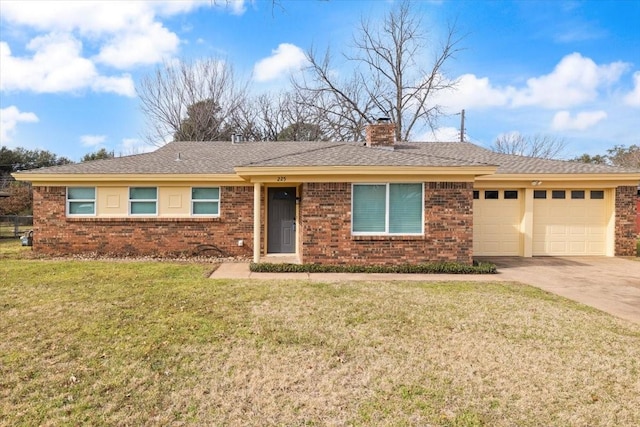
569	222
496	222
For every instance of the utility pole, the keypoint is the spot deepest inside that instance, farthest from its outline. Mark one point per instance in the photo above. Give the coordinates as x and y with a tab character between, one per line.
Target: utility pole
462	126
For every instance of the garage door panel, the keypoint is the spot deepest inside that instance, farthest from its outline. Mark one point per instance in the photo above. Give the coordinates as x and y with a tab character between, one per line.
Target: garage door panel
496	226
569	226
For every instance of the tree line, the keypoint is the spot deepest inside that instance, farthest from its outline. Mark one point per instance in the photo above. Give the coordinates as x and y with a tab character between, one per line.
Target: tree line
19	197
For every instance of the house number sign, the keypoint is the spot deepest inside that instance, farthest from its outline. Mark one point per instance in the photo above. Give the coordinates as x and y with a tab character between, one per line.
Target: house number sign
281	179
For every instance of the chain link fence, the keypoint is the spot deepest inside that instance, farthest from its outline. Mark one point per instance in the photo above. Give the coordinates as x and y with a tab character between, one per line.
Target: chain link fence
12	226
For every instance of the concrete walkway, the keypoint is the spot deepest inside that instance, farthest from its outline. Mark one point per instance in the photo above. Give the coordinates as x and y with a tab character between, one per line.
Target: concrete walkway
608	284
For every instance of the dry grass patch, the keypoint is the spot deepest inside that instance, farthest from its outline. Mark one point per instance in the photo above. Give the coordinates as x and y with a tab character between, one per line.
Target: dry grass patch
157	343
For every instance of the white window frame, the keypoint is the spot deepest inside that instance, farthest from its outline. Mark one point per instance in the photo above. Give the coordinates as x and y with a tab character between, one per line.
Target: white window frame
194	201
143	200
386	211
69	201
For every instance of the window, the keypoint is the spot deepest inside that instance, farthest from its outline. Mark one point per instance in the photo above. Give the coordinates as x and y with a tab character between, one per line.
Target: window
81	201
510	194
143	201
577	194
597	194
205	201
558	194
539	194
476	194
491	194
387	209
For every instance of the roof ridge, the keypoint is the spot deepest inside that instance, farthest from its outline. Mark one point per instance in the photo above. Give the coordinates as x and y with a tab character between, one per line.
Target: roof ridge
302	151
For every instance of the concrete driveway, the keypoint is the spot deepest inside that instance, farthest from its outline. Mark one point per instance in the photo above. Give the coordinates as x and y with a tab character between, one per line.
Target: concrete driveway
608	284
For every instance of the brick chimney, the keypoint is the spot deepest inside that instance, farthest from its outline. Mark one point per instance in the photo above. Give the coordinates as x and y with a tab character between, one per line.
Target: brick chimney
381	134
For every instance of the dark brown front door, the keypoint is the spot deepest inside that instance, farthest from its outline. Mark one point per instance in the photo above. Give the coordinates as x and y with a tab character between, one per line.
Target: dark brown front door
281	232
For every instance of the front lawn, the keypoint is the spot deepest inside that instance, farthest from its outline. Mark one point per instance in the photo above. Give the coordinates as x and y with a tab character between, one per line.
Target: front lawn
158	343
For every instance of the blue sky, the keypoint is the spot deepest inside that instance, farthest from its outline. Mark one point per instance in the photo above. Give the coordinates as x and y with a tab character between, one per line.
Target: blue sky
68	69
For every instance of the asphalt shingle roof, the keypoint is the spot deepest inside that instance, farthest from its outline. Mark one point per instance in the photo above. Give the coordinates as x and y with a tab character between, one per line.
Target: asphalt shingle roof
222	157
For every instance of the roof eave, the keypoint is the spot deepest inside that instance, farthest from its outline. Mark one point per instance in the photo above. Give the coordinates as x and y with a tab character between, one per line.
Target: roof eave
75	178
620	177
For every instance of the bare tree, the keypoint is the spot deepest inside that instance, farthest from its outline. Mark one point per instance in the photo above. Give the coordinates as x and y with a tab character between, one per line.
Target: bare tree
190	100
628	157
542	146
388	76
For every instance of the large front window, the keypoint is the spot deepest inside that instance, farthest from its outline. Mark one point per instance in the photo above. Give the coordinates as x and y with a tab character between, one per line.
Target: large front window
143	201
81	201
387	209
205	201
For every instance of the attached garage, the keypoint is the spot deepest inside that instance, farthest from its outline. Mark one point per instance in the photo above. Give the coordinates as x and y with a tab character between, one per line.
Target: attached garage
535	221
569	222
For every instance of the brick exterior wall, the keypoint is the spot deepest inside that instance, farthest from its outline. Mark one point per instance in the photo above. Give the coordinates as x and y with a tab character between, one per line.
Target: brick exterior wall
326	228
325	222
55	234
626	215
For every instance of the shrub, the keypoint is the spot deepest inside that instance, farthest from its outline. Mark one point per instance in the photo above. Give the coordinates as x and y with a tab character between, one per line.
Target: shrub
426	268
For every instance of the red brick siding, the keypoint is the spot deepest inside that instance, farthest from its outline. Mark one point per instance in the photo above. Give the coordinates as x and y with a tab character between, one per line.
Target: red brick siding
626	216
55	234
326	228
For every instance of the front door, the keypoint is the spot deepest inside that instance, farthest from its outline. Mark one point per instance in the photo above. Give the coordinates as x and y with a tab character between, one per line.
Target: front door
281	232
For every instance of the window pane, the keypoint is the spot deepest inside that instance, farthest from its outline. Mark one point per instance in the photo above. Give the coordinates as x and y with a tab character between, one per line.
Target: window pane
476	194
539	194
148	193
491	194
597	194
405	208
205	208
558	194
510	194
143	208
577	194
369	208
81	208
205	193
81	193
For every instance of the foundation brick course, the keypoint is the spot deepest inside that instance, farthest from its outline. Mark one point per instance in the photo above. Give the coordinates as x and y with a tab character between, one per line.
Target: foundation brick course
326	228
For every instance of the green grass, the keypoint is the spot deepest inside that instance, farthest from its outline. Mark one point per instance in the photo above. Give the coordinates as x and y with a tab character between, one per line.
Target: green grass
159	343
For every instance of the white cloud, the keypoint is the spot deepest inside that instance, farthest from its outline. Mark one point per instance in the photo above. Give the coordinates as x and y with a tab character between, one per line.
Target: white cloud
574	80
442	134
474	92
563	120
92	140
9	119
56	66
237	7
633	98
285	58
92	18
146	43
120	34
